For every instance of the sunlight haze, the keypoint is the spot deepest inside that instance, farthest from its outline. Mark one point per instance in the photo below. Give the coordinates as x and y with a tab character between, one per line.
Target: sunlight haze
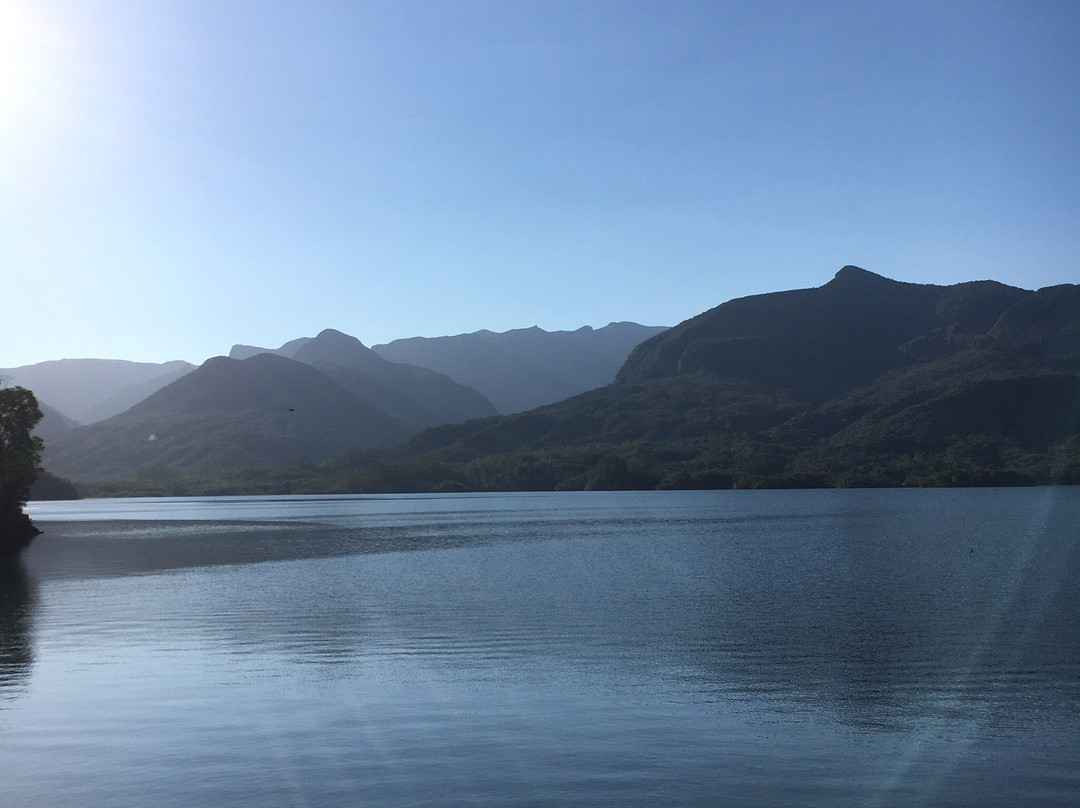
177	177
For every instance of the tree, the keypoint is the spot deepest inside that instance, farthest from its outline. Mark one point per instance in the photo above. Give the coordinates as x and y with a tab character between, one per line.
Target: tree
20	465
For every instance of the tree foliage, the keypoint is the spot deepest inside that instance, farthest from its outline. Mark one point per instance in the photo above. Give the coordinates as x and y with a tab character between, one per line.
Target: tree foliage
861	382
20	464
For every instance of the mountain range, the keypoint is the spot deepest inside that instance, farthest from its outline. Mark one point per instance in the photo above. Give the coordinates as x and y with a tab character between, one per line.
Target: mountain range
89	390
267	409
861	381
225	414
515	370
416	395
527	367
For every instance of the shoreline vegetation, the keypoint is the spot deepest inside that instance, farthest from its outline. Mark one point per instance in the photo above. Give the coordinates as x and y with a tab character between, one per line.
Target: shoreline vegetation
20	466
378	473
863	382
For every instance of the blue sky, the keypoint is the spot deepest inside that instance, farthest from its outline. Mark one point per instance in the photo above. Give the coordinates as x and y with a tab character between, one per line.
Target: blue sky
180	175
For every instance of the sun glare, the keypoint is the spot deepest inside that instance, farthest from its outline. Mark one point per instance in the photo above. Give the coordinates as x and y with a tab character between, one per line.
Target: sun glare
32	56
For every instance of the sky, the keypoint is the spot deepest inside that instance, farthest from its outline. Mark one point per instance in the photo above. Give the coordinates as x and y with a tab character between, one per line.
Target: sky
177	176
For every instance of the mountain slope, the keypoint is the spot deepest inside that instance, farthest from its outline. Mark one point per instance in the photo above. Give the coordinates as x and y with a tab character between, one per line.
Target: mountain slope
88	390
289	349
417	395
820	342
53	422
129	396
525	368
863	381
422	395
225	414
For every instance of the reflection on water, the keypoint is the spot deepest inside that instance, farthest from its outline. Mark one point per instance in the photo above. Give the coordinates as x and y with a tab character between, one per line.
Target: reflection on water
17	601
693	648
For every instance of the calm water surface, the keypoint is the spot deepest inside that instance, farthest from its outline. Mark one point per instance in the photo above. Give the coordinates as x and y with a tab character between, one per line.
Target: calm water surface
821	648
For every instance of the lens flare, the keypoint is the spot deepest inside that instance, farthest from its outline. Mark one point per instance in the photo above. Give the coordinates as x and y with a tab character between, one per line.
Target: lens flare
25	47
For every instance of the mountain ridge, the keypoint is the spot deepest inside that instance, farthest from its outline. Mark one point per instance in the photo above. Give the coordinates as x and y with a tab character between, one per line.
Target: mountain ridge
88	390
858	320
422	396
526	367
226	414
861	381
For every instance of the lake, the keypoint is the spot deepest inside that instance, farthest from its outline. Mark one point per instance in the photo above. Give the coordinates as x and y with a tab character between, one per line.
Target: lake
742	648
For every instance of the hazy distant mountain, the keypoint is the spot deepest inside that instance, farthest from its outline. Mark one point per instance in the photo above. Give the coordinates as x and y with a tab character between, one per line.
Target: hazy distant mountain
415	394
89	390
289	349
226	414
520	369
863	381
53	422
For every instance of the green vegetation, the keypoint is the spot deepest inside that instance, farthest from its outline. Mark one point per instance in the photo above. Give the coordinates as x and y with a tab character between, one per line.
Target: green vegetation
20	453
49	486
861	382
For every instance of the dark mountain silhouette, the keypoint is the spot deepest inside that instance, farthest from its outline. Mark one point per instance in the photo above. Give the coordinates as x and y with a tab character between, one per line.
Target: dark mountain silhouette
226	414
525	368
863	381
419	396
89	390
820	342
